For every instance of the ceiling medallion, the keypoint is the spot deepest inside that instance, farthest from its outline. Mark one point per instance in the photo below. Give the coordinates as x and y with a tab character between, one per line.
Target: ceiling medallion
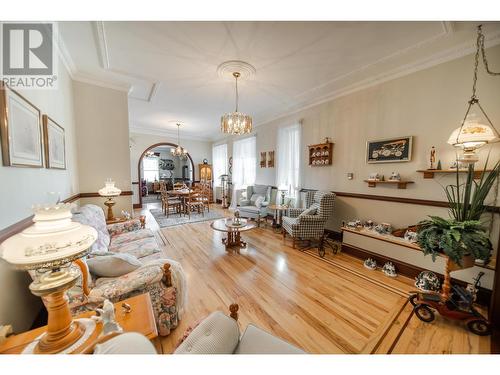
236	123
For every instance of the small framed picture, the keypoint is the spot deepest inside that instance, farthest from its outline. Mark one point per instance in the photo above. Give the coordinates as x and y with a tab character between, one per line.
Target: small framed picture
20	130
389	150
270	159
263	159
55	144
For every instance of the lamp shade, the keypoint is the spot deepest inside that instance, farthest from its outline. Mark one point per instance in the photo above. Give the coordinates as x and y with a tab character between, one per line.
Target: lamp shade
52	241
109	190
473	134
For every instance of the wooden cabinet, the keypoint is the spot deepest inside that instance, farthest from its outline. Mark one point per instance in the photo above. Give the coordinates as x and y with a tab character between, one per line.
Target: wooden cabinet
320	154
205	172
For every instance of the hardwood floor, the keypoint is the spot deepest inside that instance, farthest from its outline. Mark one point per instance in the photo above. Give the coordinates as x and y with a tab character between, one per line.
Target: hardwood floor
322	306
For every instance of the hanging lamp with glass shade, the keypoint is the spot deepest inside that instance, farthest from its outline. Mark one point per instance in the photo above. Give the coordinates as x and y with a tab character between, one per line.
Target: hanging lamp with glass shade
236	123
476	129
179	151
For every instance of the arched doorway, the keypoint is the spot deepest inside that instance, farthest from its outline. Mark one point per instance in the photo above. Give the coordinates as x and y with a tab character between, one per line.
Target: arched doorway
150	148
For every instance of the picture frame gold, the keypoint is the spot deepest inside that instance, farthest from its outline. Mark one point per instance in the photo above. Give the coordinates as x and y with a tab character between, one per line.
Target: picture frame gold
20	130
270	159
54	139
263	159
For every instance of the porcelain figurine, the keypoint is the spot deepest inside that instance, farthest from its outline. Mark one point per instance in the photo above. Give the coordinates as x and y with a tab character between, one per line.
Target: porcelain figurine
427	281
369	224
370	263
107	316
395	177
389	269
383	228
411	236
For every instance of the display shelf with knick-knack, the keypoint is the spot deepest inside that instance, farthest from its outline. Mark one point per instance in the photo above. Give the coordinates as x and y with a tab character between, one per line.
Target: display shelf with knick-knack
321	154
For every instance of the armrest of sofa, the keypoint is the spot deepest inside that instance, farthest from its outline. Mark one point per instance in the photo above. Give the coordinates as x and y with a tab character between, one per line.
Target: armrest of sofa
311	219
245	202
125	226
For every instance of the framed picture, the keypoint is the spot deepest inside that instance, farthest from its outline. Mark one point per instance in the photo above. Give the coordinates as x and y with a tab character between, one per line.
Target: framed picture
54	144
389	150
270	159
20	130
263	159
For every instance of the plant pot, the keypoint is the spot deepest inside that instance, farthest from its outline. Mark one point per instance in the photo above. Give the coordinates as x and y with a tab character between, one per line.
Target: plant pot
468	261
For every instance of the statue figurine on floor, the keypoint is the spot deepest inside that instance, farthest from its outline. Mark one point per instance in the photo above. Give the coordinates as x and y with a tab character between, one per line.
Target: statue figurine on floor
107	316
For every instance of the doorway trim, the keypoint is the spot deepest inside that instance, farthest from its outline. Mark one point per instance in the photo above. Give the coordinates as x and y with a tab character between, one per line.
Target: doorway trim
140	163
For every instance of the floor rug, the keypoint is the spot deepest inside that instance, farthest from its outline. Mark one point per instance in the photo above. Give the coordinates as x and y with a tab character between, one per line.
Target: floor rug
175	219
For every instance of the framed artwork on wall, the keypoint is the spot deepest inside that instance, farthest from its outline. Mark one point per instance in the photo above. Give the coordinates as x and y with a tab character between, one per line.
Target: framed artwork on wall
20	130
263	159
270	159
389	150
54	144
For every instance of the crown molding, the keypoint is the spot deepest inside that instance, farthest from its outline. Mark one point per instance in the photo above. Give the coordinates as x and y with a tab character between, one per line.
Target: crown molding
65	56
84	78
165	133
462	50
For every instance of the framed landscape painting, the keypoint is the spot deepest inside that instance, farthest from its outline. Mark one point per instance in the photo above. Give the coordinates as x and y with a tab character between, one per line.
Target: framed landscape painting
389	150
54	141
20	130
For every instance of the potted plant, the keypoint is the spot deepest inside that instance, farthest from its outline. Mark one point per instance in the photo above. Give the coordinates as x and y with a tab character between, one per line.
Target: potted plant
462	237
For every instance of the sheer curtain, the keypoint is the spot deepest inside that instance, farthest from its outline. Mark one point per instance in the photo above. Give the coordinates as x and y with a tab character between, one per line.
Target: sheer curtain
150	169
244	165
219	158
288	162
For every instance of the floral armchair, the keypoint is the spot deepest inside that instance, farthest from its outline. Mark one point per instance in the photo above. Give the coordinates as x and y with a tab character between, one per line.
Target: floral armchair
309	223
163	279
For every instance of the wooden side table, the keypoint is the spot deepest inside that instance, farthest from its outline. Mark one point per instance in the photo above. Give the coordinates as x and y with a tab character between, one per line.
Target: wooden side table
278	208
140	319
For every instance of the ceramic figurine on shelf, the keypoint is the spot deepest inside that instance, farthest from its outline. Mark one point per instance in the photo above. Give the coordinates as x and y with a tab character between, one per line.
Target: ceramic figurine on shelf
389	269
439	166
107	316
352	224
368	224
370	263
432	158
383	228
395	177
374	177
411	236
427	281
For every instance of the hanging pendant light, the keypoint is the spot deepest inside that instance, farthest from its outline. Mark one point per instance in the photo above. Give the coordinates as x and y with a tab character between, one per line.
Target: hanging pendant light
475	132
179	151
236	123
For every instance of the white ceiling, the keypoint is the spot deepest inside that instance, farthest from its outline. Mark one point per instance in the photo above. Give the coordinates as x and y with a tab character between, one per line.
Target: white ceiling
170	68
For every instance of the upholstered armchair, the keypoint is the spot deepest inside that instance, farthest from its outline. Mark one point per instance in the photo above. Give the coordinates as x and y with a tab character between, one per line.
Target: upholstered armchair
162	278
258	197
309	223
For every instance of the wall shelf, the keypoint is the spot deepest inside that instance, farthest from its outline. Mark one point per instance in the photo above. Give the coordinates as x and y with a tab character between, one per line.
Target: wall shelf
429	173
401	184
320	155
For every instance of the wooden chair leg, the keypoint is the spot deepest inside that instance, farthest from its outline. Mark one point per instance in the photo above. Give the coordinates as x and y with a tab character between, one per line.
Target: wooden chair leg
293	242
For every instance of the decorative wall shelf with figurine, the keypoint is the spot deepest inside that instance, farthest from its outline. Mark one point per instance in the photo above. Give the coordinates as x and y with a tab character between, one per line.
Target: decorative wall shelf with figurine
320	155
401	184
429	173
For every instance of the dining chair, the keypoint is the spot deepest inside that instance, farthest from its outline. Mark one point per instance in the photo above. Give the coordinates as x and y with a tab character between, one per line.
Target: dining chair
170	203
193	203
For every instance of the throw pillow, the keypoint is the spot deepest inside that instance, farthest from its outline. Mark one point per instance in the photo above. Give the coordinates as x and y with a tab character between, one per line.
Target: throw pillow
259	201
113	265
308	211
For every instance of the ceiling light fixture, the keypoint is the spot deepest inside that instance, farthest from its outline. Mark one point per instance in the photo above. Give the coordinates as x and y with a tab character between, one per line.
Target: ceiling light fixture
236	123
474	131
179	151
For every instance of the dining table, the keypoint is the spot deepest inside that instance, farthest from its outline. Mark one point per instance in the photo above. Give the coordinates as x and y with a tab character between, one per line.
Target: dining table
181	194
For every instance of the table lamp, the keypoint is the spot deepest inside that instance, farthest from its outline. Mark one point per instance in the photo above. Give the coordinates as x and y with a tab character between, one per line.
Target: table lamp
283	189
109	191
49	247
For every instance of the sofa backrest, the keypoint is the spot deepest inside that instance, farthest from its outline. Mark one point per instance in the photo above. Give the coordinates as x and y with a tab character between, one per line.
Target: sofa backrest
259	190
93	215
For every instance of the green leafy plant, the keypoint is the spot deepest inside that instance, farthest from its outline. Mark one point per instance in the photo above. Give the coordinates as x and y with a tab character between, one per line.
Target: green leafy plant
454	238
463	234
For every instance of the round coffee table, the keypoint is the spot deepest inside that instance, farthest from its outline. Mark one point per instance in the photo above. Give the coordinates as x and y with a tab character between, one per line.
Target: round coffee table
233	238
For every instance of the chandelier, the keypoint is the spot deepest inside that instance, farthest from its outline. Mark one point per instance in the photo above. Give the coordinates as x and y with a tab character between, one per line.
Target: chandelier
236	123
179	151
474	131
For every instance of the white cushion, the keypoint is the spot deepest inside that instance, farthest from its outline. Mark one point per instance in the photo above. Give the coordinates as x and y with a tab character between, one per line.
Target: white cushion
309	211
113	265
216	334
258	341
126	343
258	201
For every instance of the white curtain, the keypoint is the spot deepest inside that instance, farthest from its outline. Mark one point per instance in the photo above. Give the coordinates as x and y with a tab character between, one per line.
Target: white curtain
244	166
288	161
219	158
150	169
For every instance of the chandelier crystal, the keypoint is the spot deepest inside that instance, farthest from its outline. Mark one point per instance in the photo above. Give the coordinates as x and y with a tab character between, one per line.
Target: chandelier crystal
236	123
179	151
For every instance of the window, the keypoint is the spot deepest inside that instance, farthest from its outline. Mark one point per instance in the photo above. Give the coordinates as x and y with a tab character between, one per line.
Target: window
219	158
288	162
150	169
244	162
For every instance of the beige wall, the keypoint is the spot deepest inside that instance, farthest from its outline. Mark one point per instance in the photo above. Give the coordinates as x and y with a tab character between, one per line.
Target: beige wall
427	105
20	188
198	150
101	116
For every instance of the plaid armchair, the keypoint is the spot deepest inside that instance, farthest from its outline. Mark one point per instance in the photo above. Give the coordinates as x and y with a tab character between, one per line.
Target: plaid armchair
309	223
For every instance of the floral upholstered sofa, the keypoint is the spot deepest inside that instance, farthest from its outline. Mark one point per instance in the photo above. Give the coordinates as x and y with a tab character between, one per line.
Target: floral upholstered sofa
162	278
